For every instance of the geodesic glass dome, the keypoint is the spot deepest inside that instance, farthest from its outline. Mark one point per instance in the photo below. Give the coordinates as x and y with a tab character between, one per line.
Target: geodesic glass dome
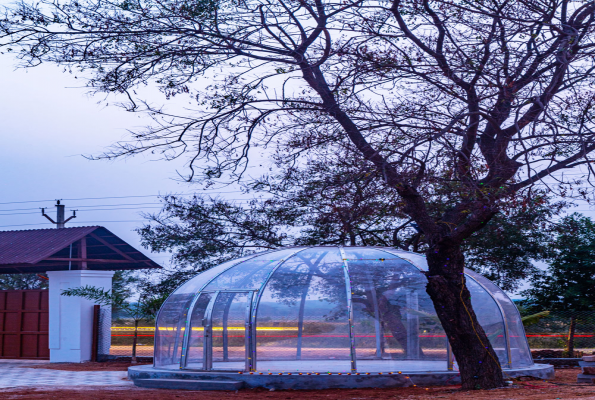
290	310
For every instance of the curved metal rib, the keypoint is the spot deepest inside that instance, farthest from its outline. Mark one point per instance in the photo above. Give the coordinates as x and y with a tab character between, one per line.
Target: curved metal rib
349	309
256	302
503	314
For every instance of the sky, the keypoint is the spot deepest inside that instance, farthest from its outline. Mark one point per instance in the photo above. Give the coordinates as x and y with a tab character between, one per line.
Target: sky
48	123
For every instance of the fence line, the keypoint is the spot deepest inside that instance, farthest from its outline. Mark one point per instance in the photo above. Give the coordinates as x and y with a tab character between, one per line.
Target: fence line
559	334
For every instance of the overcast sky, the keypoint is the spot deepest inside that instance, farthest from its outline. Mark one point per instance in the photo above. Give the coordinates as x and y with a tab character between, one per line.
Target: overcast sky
48	122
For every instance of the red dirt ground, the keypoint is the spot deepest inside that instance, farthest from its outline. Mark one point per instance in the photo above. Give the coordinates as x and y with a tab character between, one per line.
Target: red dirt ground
564	386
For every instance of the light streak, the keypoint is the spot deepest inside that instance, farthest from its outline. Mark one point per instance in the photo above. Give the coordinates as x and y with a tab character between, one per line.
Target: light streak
229	328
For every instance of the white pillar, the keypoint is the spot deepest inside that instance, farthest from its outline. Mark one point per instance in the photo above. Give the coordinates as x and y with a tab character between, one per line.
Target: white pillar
71	318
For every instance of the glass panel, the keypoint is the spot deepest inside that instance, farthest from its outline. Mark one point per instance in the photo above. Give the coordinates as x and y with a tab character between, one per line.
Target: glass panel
229	330
418	260
171	321
490	318
172	316
251	274
170	330
302	320
519	348
521	355
196	342
395	324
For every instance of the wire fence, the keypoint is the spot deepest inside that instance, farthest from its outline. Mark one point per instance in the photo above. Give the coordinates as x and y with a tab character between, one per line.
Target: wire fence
559	334
116	335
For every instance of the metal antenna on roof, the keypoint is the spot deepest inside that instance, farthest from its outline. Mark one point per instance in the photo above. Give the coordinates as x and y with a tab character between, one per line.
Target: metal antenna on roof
60	221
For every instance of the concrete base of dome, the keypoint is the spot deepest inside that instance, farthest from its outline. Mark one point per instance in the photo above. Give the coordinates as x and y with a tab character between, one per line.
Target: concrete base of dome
148	376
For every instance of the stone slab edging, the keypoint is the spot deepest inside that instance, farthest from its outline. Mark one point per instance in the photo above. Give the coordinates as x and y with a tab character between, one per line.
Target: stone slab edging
141	376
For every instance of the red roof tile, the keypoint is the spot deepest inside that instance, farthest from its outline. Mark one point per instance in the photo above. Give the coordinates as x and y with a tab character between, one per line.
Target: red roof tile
32	246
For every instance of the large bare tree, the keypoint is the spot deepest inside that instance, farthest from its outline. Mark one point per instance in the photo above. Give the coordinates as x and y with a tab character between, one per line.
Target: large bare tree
474	102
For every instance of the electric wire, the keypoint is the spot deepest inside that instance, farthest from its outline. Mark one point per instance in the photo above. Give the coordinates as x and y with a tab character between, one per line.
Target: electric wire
73	222
90	207
120	197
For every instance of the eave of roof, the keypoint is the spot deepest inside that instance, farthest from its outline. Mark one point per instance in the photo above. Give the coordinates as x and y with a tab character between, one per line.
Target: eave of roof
24	249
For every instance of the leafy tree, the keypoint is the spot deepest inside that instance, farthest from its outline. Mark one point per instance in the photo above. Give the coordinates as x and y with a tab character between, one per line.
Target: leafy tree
568	284
335	202
465	104
506	249
23	281
327	203
206	232
338	200
124	283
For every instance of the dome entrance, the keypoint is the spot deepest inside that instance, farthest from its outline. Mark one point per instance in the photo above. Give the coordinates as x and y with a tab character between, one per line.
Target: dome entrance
220	337
324	310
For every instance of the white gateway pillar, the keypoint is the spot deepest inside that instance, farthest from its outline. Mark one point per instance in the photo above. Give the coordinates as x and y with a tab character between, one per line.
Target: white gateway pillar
71	318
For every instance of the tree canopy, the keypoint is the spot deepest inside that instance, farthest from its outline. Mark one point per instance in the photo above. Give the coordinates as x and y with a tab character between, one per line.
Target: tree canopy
324	205
469	104
568	284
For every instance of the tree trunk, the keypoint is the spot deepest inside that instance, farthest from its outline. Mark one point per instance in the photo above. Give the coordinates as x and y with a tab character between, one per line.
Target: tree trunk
478	364
134	340
352	238
570	342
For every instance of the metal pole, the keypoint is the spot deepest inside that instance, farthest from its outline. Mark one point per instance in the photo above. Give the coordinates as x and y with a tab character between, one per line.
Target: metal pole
248	331
450	361
349	309
256	302
412	327
225	333
377	327
301	318
187	333
208	335
70	256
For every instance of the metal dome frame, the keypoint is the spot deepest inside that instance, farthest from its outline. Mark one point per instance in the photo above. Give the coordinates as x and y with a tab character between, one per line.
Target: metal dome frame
243	291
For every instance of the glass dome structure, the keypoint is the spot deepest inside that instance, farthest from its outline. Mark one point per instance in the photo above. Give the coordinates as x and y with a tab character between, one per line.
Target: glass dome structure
324	309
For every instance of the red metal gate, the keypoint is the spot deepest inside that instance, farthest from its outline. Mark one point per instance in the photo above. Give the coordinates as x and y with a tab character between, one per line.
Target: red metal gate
24	324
